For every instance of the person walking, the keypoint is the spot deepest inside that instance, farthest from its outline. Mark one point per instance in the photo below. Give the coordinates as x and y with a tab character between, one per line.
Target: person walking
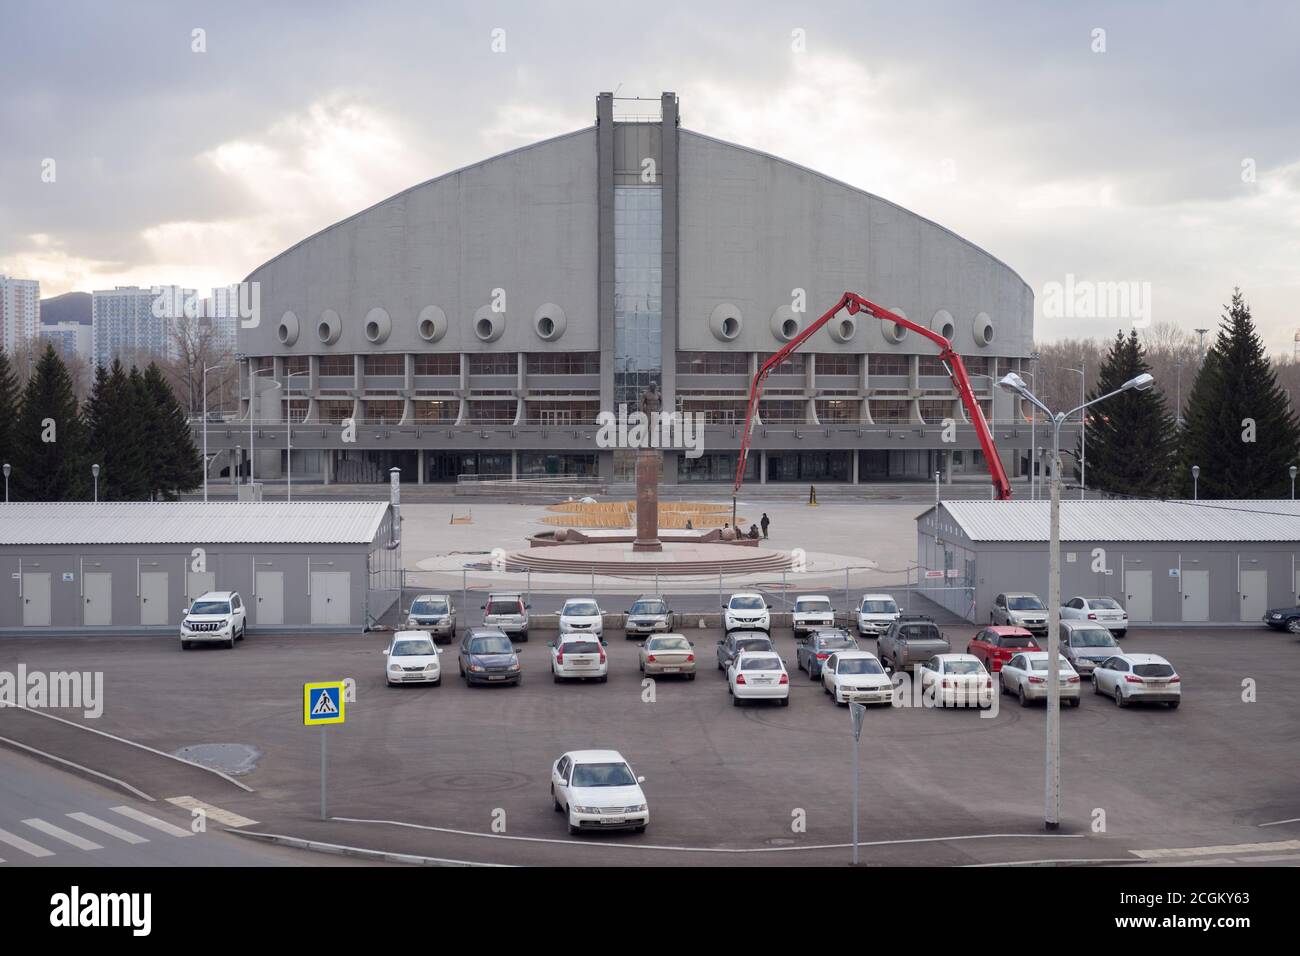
765	521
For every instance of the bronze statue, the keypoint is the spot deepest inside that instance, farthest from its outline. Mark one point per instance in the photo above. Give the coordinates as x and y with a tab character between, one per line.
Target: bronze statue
651	400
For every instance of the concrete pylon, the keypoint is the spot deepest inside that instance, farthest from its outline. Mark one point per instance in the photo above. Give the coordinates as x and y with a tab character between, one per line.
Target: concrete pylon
649	463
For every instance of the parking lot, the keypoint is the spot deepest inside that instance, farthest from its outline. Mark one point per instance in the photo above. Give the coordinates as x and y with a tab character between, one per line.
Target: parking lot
462	773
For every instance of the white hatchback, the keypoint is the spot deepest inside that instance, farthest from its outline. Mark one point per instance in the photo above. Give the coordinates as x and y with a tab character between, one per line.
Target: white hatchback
1134	678
577	656
412	658
856	677
758	675
1025	676
597	790
747	611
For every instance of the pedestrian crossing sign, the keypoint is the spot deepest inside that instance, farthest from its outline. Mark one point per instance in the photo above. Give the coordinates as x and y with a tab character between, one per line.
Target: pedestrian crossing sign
322	703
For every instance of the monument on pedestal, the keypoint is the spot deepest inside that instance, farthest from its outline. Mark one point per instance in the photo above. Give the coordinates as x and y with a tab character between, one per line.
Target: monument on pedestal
649	464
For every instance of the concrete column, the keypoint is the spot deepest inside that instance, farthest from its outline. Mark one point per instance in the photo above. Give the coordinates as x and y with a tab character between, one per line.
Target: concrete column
762	467
854	453
419	466
947	466
605	247
514	465
327	466
668	178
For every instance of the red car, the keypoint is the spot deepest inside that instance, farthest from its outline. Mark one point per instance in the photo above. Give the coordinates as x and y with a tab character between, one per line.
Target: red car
994	646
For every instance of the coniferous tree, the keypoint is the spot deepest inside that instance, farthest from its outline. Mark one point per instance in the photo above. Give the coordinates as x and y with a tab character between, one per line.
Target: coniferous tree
1240	428
1132	446
175	464
8	407
49	456
118	435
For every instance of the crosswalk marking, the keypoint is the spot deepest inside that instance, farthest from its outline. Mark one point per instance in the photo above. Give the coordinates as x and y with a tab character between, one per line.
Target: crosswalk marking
150	821
226	817
18	843
1189	851
80	842
104	826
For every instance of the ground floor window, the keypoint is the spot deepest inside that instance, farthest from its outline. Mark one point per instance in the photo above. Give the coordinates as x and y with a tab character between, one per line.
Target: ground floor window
810	466
720	466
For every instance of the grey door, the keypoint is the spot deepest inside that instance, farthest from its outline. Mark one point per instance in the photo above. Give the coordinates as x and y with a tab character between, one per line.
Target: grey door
331	597
1137	592
270	598
200	583
153	598
36	599
1196	595
1254	595
97	599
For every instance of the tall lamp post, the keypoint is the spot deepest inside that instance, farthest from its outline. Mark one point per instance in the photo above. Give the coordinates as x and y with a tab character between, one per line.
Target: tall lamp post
6	471
252	404
94	473
1083	428
1052	786
1033	441
212	368
288	427
1292	473
1196	478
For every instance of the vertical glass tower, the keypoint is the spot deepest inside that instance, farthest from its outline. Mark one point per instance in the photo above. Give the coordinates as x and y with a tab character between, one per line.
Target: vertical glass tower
638	302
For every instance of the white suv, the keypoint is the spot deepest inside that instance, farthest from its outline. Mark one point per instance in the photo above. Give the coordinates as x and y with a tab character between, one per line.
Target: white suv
811	611
747	611
218	616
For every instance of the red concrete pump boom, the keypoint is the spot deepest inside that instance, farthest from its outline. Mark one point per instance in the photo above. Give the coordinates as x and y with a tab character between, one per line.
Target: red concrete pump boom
952	362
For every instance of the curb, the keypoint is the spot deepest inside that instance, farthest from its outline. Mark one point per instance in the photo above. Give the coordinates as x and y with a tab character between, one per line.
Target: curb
382	856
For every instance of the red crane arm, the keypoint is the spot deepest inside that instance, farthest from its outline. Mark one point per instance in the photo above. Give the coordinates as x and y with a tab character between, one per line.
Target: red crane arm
952	362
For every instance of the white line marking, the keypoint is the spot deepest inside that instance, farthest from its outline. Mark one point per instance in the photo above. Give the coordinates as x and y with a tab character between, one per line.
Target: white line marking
103	776
227	817
1185	851
714	849
105	827
1278	823
141	817
67	836
1270	858
1081	859
123	740
18	843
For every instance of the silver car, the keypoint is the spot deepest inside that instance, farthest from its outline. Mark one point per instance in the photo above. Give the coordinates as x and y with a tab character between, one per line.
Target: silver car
1025	676
433	613
1020	610
649	614
1085	644
1132	678
507	611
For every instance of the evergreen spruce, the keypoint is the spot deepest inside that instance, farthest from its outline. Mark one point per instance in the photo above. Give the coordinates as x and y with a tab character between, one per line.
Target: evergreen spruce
9	395
49	442
175	464
1239	427
116	420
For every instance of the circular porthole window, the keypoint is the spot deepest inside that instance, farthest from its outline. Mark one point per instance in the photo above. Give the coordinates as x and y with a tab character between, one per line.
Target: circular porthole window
432	323
785	323
893	331
287	331
726	322
329	327
549	321
378	326
488	325
983	330
943	324
843	329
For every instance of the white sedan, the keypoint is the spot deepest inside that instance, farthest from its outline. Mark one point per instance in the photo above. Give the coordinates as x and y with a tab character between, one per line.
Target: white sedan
581	615
1025	675
758	675
575	656
597	790
412	658
1107	612
955	680
856	677
1133	678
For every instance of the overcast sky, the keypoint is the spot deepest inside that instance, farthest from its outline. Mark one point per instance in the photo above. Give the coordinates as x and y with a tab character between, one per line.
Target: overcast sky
1001	121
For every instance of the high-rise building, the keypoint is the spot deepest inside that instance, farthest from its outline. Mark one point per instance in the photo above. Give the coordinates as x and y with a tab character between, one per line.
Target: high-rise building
70	338
20	311
131	322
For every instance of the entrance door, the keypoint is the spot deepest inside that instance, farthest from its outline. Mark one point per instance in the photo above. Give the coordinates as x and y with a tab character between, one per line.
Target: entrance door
1196	595
97	599
270	598
1254	595
331	597
153	598
200	583
1137	586
36	599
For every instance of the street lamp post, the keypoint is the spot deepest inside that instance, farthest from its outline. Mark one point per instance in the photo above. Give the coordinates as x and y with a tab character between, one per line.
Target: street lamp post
1033	440
205	426
6	471
1292	473
288	429
1178	412
1083	429
94	473
1052	784
1196	477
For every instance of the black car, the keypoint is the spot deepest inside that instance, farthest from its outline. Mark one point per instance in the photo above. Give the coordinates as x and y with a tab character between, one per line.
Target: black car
738	641
1283	619
819	645
486	656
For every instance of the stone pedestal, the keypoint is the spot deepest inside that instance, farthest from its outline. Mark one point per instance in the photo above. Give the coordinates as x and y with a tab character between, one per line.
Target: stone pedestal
649	462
